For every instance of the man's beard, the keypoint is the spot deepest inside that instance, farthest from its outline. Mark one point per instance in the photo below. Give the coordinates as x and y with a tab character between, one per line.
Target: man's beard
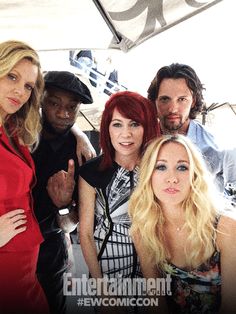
171	127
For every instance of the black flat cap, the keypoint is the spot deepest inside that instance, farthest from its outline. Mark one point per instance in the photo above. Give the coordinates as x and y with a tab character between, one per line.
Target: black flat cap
69	82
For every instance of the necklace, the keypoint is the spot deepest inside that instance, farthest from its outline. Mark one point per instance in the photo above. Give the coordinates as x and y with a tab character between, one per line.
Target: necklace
177	228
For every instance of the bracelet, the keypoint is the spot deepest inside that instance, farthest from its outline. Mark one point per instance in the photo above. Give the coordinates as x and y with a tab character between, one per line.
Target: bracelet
67	209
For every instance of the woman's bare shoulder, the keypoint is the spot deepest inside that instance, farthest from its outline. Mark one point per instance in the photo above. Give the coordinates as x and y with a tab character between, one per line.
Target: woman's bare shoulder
226	229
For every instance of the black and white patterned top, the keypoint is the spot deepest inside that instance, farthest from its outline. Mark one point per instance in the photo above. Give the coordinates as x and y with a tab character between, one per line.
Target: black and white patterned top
114	186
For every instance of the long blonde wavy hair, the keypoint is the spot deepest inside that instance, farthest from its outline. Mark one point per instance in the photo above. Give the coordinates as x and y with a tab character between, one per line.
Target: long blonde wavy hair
199	208
25	123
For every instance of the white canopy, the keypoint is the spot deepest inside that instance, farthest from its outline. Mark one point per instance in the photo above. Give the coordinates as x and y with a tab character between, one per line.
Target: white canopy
92	24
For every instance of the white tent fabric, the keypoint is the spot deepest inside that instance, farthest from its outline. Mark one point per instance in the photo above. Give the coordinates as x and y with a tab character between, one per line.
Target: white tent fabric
137	20
54	24
80	24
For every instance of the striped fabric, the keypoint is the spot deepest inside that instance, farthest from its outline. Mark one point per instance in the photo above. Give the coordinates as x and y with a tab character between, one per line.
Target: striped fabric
116	251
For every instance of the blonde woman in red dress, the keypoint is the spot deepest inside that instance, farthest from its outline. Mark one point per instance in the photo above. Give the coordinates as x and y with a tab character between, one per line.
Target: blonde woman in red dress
21	85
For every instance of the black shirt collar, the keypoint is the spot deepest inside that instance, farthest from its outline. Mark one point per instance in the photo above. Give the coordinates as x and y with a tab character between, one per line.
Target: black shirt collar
57	141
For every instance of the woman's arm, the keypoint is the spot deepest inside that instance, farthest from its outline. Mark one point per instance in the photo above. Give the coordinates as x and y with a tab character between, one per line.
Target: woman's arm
149	270
226	242
86	227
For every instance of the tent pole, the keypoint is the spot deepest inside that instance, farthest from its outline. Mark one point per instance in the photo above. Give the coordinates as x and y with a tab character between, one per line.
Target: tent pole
118	38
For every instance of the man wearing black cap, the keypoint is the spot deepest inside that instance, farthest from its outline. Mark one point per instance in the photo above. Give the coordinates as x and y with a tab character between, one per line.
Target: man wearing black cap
55	158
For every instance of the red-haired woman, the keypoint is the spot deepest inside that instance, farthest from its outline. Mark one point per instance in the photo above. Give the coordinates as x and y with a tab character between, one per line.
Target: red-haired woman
106	183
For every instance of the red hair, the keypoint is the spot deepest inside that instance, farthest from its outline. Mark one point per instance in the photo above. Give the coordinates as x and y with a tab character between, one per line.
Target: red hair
132	106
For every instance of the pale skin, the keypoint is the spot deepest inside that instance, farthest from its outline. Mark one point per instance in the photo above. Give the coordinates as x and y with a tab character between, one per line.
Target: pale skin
174	102
126	137
11	224
15	90
149	270
170	173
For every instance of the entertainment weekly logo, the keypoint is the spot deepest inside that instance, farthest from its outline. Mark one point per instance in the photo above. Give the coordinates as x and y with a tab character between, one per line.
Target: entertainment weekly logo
117	291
